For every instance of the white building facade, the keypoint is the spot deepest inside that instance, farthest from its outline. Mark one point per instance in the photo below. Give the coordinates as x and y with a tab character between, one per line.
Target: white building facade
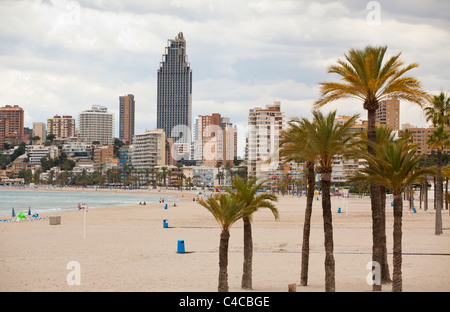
96	124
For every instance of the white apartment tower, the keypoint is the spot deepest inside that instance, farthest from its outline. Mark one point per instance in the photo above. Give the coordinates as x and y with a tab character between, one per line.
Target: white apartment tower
96	124
149	149
265	126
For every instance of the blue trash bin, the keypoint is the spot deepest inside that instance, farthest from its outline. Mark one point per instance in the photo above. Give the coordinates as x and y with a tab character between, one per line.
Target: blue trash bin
339	210
180	247
165	206
165	224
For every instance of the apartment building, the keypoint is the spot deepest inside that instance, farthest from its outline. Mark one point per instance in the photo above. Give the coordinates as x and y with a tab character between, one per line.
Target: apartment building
265	126
388	113
11	124
62	127
126	118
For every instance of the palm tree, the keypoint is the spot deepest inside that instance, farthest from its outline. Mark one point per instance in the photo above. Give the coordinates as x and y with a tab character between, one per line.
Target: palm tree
438	110
226	210
246	192
394	166
329	140
439	139
366	77
438	113
164	174
294	146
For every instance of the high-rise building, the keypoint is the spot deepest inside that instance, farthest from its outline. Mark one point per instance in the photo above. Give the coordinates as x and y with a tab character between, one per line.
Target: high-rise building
61	127
126	118
265	126
388	113
11	124
214	139
96	124
174	92
148	151
40	131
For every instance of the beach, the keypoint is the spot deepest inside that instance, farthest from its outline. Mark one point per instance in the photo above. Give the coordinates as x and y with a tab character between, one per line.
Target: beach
127	248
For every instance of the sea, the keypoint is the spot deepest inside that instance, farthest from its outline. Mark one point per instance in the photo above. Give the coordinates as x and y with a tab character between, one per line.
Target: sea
41	201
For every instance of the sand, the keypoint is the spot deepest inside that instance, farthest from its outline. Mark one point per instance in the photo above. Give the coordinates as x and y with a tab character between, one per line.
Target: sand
128	249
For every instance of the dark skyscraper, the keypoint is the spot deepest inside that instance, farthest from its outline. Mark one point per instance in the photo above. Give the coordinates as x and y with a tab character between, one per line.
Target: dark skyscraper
126	119
174	99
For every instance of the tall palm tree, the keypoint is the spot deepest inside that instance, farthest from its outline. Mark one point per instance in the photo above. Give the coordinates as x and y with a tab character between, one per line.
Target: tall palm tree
384	136
226	210
294	146
329	140
438	113
438	110
395	166
439	139
164	174
368	77
246	192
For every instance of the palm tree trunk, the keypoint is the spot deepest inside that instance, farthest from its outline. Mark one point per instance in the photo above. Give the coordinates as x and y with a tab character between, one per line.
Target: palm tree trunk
307	224
377	235
385	277
425	194
446	191
328	232
438	187
420	196
246	282
397	254
435	189
223	261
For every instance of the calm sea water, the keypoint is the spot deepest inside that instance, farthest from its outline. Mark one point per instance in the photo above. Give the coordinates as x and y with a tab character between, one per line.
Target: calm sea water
46	201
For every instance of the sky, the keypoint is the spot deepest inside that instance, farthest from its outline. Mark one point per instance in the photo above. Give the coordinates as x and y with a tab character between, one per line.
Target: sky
61	57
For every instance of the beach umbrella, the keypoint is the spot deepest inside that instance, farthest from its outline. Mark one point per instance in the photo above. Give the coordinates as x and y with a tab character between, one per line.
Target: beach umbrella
21	215
13	213
29	210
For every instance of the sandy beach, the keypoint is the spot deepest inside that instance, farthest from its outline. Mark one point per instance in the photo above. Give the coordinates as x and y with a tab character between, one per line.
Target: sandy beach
128	249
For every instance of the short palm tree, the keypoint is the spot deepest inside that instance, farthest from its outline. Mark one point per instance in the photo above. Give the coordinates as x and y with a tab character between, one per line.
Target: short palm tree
294	146
368	77
328	140
226	210
439	139
395	166
246	191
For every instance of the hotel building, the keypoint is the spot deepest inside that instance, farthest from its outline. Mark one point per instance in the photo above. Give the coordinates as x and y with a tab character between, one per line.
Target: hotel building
96	124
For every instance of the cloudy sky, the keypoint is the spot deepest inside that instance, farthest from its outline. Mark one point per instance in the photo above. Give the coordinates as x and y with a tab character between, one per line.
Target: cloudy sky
61	57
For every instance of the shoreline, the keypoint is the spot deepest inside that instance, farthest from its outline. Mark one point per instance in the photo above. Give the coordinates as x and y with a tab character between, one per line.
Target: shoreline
184	195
